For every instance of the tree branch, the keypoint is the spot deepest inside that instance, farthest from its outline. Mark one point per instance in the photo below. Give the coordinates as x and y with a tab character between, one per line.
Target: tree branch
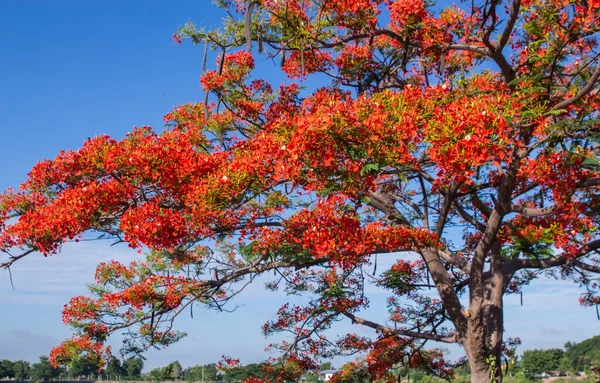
585	266
533	212
587	88
443	216
414	334
15	258
385	205
546	263
469	218
592	181
510	24
454	260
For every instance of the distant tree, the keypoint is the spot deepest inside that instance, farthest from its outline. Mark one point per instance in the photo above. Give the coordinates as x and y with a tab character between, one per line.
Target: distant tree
176	370
173	371
552	358
114	369
255	370
133	367
252	370
21	370
155	374
565	365
325	366
538	361
43	370
201	373
210	373
82	367
531	362
6	369
193	373
581	354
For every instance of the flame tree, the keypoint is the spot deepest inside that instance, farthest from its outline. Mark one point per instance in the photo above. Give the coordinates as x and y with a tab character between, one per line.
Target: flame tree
466	136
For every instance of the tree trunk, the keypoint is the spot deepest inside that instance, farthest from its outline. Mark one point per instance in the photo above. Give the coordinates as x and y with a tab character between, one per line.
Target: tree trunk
477	354
480	372
483	341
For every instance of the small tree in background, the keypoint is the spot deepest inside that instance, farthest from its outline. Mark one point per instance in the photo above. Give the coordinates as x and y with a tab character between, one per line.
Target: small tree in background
133	367
173	371
44	371
6	369
21	370
113	369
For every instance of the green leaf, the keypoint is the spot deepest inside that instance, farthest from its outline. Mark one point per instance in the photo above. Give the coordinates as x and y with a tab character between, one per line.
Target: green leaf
247	251
368	168
590	162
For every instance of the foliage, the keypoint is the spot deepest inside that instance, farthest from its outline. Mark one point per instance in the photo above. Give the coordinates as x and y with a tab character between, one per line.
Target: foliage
21	370
114	370
565	365
539	361
583	354
243	373
155	374
173	371
133	367
44	371
461	144
83	367
6	369
202	373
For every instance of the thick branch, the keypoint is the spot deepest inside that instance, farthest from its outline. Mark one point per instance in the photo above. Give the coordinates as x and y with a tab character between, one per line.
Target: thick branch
454	260
385	205
533	212
592	181
510	24
445	288
501	207
448	201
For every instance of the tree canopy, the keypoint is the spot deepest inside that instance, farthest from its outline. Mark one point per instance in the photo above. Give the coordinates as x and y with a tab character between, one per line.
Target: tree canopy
133	367
464	138
114	368
43	371
584	354
21	369
539	361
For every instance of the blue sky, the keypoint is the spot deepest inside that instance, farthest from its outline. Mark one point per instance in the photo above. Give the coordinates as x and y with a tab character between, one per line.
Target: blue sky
74	69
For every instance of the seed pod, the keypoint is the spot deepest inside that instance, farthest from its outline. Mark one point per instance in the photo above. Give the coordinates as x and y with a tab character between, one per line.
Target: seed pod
248	25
